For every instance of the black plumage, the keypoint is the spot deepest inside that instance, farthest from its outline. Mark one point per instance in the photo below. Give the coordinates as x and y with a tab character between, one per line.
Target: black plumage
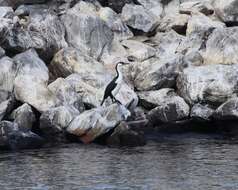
111	86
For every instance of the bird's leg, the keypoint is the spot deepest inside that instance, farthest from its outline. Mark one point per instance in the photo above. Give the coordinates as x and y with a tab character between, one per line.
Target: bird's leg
117	101
112	98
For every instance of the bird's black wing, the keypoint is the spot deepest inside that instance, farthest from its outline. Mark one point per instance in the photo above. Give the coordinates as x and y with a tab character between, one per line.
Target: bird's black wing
110	87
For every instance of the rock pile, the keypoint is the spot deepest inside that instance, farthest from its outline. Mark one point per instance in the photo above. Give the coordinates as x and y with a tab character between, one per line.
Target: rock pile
57	56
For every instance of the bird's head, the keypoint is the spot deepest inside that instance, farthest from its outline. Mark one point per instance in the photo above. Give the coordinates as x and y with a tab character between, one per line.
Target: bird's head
120	64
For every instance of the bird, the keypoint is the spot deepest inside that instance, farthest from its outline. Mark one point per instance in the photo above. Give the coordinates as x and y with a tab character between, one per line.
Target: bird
114	86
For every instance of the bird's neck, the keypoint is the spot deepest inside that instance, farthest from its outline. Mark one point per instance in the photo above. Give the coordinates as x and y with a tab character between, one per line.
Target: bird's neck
119	74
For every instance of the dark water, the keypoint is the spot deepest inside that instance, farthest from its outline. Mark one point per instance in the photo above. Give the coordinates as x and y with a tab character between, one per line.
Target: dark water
181	162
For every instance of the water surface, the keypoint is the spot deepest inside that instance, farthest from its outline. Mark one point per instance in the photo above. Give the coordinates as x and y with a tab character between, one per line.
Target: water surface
174	162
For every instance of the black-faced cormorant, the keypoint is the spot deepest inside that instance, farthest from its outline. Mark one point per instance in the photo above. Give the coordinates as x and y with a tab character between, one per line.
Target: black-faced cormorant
114	86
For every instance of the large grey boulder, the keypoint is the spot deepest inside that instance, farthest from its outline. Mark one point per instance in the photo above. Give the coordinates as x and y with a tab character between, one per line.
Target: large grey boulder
87	32
43	31
138	51
137	17
204	7
228	110
177	22
153	6
213	84
154	74
16	139
200	22
120	29
227	11
24	117
69	60
93	123
222	46
66	94
167	44
169	106
30	84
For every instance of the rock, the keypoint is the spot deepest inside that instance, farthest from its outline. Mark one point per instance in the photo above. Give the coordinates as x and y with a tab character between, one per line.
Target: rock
124	136
222	46
228	110
169	106
43	31
204	7
16	139
6	26
227	11
166	44
138	51
116	5
87	32
200	22
6	12
66	94
3	108
137	17
152	99
210	84
68	61
24	117
54	122
2	52
193	58
7	75
15	3
201	112
194	42
30	84
93	123
177	22
154	74
120	30
153	6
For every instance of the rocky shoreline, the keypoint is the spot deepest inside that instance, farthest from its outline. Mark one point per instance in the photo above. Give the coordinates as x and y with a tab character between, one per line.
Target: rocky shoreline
57	56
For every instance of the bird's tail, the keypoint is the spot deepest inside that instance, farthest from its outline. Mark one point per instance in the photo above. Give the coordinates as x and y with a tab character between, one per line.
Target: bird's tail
102	101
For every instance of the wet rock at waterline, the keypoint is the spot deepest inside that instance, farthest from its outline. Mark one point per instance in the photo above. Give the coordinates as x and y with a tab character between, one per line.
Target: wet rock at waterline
16	139
123	136
169	106
228	110
54	122
201	112
24	117
96	122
